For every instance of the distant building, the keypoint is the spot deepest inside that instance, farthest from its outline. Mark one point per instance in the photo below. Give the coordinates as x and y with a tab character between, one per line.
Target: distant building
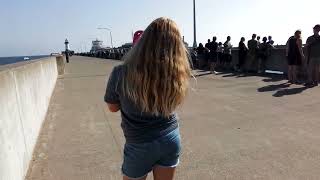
96	45
127	45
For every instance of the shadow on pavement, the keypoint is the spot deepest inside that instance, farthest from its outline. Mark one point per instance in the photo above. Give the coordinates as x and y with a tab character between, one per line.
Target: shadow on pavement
273	87
202	74
286	92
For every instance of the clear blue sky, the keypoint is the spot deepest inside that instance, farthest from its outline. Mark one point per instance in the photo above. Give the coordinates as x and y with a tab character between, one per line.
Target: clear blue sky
32	27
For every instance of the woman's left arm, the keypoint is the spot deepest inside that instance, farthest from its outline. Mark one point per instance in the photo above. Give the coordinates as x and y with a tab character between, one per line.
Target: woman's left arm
111	96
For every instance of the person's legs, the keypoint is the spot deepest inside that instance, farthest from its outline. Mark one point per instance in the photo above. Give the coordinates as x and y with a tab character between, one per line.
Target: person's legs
289	73
310	72
170	148
138	160
316	74
294	74
211	67
127	178
163	173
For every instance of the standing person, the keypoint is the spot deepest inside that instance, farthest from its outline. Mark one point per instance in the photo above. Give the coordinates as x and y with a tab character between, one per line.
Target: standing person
201	55
294	55
213	54
228	52
252	54
207	53
313	54
147	88
243	50
207	45
270	41
263	54
258	39
220	54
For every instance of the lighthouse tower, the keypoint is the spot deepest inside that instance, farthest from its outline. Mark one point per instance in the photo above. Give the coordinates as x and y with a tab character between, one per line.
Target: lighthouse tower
66	42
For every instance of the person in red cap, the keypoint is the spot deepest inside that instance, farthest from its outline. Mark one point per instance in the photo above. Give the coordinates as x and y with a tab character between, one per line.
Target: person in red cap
313	57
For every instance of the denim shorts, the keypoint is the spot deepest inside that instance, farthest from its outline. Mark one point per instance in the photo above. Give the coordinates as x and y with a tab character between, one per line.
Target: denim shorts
140	159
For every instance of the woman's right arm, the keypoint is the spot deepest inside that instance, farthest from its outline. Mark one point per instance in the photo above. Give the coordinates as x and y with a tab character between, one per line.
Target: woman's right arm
113	107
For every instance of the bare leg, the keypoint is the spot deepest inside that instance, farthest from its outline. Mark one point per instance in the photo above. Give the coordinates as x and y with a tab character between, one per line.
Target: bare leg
211	67
163	173
126	178
310	73
294	74
289	73
316	72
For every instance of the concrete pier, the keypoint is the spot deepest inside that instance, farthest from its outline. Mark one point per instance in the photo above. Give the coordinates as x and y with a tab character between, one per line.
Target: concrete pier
232	128
25	92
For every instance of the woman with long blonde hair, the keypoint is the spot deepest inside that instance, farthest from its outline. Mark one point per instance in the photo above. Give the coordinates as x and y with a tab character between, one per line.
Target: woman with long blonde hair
147	88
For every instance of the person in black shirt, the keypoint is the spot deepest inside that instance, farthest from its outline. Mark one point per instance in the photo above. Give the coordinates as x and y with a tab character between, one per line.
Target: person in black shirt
207	54
228	52
201	56
207	45
270	41
313	57
213	55
264	52
243	50
294	55
252	63
200	49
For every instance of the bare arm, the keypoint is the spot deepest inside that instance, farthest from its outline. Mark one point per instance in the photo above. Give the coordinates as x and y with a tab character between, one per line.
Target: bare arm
287	49
113	107
299	42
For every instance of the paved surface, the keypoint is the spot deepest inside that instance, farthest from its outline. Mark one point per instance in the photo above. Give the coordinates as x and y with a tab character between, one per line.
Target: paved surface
232	128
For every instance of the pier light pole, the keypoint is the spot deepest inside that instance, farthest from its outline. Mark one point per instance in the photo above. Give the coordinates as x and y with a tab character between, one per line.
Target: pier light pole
108	29
194	25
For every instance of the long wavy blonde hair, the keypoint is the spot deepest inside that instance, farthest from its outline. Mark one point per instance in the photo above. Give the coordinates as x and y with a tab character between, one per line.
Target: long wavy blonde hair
157	69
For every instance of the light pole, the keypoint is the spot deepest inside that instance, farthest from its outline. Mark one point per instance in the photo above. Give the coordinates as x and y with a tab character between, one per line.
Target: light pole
194	25
108	29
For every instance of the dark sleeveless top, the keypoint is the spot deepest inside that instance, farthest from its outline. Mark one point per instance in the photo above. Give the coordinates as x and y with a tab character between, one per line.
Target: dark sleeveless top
294	55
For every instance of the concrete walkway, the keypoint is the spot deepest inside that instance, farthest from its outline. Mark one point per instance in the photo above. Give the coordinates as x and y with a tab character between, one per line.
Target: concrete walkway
232	128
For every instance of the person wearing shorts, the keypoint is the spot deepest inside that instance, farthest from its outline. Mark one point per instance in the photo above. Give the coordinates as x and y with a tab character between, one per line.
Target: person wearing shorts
228	52
145	90
213	48
313	56
294	56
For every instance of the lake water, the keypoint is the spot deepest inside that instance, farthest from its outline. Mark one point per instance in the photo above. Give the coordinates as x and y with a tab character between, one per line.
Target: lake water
14	59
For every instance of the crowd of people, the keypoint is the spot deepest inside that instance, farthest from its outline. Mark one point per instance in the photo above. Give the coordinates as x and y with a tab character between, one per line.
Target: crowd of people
215	54
253	56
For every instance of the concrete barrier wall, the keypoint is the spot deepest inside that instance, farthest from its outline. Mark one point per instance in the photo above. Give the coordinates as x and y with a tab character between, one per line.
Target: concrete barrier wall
276	62
25	91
